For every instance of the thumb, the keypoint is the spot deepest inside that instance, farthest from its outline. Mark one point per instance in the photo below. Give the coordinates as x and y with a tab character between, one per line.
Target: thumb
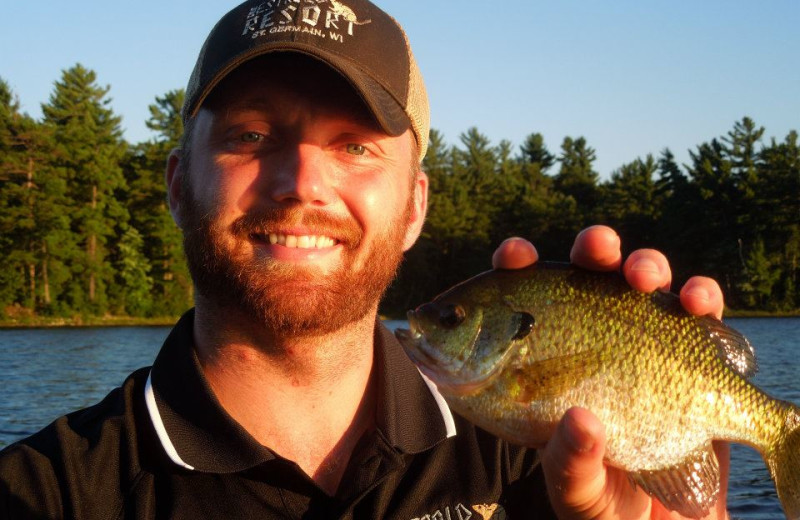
572	462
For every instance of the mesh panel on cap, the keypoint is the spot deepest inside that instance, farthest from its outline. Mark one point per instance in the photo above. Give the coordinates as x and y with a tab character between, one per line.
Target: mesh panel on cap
417	106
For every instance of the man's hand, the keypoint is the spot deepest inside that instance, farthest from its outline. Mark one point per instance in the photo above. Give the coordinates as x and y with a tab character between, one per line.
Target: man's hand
580	485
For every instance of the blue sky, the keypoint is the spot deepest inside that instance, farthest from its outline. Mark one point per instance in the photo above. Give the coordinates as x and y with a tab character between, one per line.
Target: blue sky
632	77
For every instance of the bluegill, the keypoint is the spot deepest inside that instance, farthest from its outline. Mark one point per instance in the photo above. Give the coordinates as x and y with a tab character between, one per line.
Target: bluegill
512	350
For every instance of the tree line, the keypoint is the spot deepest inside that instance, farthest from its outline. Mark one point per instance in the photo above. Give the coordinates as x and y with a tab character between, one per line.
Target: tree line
85	228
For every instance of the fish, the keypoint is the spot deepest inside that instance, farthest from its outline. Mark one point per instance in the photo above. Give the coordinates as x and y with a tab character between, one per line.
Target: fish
513	350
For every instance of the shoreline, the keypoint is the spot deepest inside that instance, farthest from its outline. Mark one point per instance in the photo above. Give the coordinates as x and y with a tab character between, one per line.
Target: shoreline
86	322
31	322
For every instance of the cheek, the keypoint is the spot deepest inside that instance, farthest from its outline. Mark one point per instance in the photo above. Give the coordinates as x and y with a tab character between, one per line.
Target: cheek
375	202
226	194
372	201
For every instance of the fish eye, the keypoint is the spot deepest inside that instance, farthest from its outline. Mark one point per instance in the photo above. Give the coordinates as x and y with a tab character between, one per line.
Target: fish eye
526	323
451	316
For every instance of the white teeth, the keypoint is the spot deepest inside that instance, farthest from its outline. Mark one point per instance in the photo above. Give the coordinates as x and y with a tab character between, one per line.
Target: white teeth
301	241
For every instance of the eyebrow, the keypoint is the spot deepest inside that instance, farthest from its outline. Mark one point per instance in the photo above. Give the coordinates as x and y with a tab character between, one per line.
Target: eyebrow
240	105
263	104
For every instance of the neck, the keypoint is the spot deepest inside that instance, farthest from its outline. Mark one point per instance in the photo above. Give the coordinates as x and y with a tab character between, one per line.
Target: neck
306	397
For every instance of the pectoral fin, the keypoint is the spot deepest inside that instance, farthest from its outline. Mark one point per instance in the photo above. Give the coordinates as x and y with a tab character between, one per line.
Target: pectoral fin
550	378
689	488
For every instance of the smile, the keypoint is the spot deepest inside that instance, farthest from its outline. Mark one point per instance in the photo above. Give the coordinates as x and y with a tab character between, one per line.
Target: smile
295	241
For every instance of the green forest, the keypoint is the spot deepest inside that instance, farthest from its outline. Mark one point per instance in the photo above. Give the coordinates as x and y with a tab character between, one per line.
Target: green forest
86	232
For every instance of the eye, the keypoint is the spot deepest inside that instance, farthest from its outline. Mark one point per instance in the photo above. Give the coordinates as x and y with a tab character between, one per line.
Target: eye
451	316
251	137
526	323
356	149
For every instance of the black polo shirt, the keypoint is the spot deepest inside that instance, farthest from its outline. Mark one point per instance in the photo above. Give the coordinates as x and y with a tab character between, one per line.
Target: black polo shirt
161	446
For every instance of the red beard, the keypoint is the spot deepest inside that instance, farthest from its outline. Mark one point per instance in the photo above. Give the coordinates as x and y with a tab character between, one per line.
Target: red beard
285	298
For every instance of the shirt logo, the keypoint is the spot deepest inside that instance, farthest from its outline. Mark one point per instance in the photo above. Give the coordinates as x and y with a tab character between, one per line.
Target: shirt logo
493	511
329	19
461	512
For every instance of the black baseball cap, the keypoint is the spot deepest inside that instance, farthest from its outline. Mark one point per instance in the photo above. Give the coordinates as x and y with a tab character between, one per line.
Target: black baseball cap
356	38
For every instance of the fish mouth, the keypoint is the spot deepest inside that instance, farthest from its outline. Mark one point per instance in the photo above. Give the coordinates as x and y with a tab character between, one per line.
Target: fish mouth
416	347
413	344
423	356
408	339
453	380
412	339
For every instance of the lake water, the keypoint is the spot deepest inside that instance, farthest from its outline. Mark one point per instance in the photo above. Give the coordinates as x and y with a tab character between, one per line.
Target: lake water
47	372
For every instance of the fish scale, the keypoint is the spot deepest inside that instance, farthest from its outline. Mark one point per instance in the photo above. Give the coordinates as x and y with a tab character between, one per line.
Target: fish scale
512	351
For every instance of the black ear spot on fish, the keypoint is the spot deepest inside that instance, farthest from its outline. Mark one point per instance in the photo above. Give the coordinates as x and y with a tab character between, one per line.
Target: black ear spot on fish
451	316
526	323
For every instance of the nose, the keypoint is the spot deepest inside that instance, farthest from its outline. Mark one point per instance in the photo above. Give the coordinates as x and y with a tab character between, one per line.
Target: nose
301	175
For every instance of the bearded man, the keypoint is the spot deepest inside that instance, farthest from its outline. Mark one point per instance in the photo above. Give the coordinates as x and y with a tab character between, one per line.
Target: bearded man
298	187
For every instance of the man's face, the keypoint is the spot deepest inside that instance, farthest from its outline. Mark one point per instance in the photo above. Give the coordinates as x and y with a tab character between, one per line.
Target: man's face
296	207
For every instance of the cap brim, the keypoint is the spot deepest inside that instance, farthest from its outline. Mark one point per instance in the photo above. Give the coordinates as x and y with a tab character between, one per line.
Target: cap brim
386	110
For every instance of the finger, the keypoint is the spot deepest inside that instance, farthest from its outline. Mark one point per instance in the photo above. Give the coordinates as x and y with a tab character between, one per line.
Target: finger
572	462
647	270
597	248
514	253
723	452
702	296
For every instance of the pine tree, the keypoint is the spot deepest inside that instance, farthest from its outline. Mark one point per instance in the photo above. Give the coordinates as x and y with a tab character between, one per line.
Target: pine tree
543	214
162	240
33	213
741	151
534	152
475	163
459	220
165	118
761	276
16	206
577	178
134	281
676	230
88	145
777	204
631	203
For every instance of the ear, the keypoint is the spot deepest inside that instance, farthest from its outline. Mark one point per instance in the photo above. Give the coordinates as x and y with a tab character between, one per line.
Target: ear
174	178
420	208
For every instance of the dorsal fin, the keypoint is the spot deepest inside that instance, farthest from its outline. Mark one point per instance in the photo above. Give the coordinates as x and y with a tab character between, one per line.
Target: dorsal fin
734	349
690	488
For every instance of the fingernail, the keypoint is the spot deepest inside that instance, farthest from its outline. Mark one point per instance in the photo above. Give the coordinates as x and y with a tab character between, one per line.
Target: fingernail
578	438
645	265
700	293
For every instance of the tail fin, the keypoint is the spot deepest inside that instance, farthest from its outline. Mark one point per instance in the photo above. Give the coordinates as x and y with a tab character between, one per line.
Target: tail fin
784	464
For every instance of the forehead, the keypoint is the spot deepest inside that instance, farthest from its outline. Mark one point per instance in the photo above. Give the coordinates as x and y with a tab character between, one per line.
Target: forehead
281	80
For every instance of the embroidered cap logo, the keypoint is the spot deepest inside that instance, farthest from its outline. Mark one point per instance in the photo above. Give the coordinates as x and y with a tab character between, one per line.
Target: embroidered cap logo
355	37
320	18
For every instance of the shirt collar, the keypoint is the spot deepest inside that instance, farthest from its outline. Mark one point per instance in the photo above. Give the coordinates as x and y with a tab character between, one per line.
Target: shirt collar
198	434
412	414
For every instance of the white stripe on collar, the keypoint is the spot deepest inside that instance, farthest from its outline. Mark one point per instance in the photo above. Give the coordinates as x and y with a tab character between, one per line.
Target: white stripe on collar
447	415
158	424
